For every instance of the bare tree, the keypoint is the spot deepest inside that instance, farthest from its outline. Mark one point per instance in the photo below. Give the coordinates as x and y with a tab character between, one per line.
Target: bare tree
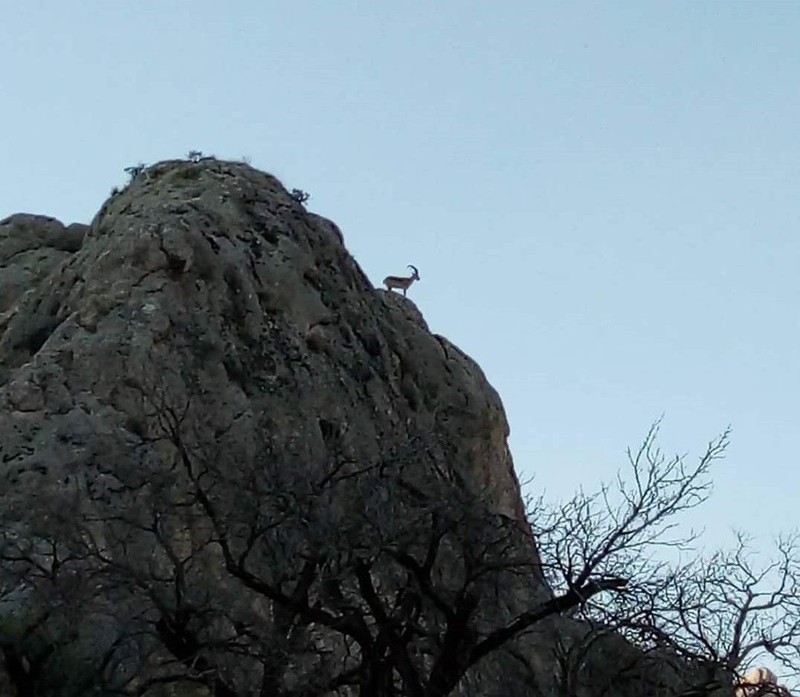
732	609
619	530
714	615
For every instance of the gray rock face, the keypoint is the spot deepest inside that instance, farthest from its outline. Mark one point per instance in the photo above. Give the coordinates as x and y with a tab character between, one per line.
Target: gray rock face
31	246
205	293
286	316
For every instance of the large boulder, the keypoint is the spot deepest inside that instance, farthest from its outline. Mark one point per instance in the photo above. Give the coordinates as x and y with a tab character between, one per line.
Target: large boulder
30	247
287	318
206	308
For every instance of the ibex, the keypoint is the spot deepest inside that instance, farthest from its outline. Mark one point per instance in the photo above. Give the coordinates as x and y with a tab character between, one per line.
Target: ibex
402	282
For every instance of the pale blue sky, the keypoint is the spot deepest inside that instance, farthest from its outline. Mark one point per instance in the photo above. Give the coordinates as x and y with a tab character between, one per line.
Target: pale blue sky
602	198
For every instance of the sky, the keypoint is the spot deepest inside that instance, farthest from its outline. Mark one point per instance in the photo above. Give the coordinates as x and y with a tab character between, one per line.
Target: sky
601	198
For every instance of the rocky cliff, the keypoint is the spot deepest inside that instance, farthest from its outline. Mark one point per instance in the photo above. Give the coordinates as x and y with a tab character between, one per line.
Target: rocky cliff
222	449
290	323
